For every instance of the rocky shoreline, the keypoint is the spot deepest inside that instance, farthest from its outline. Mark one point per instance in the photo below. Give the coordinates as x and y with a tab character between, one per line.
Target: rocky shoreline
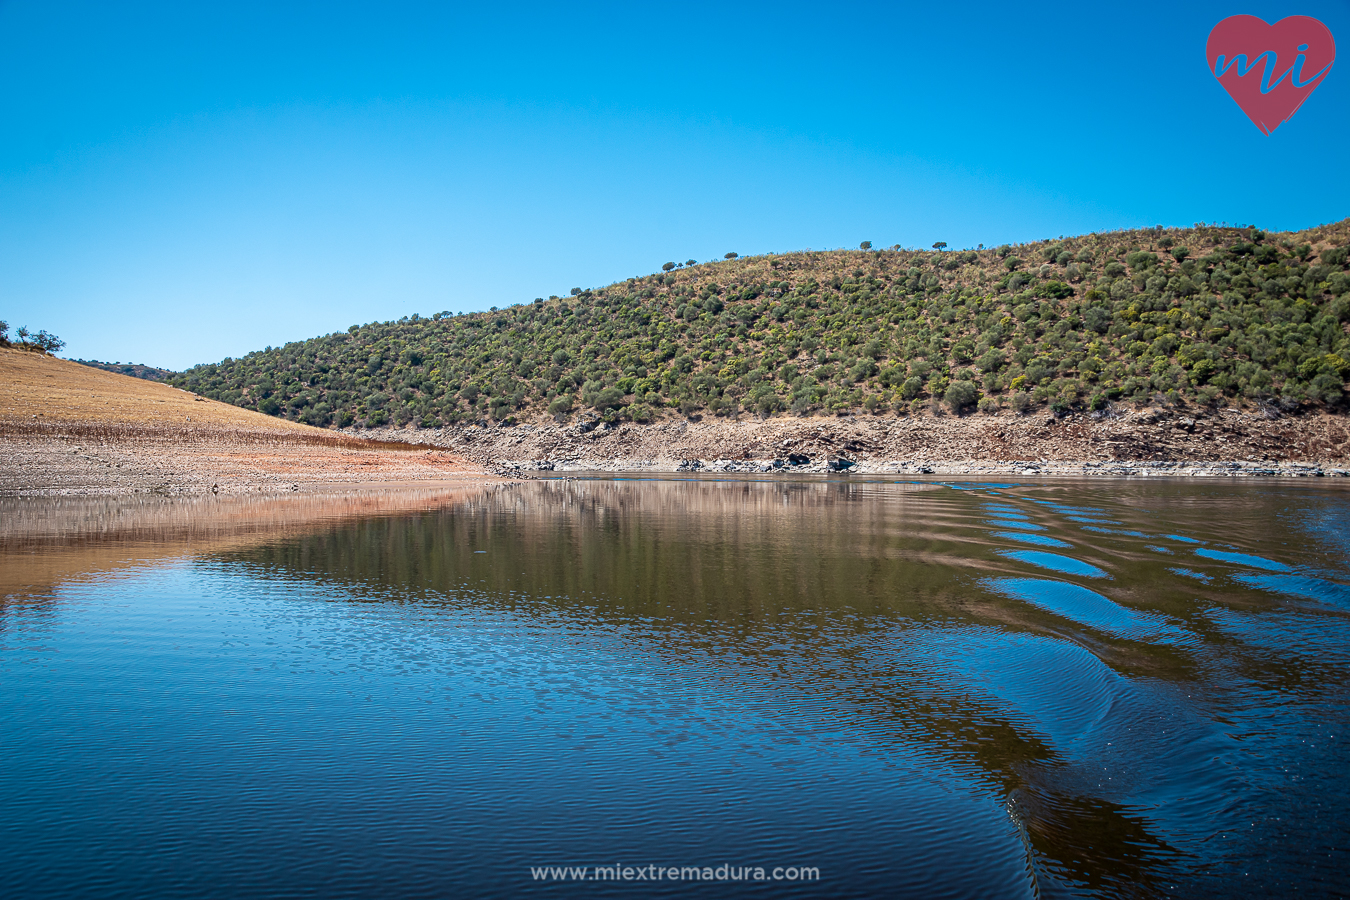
1152	442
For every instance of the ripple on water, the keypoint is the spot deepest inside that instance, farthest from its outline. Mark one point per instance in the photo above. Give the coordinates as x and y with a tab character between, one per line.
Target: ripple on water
1191	573
1047	687
1092	520
1014	523
1064	508
1054	561
1091	609
1118	739
1320	637
1040	539
1243	559
1097	529
1305	586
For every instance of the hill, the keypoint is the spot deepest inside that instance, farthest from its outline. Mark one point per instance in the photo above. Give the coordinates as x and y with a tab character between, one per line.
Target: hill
1208	316
135	370
69	428
40	390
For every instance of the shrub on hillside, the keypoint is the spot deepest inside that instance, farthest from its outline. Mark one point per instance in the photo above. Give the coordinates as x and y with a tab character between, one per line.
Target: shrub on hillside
961	395
833	332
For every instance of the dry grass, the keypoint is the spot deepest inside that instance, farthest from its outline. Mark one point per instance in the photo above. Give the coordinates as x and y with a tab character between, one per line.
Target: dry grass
42	389
69	428
45	397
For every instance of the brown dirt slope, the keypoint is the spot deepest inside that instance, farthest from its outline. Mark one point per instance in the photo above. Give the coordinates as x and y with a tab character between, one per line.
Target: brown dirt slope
69	428
44	389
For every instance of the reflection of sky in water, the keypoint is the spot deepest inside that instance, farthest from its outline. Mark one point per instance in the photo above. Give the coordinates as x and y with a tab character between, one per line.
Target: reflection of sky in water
1014	523
1191	573
1091	609
634	654
1300	586
1323	638
1065	564
1243	559
1128	738
1040	539
1097	529
1092	520
1060	507
1328	526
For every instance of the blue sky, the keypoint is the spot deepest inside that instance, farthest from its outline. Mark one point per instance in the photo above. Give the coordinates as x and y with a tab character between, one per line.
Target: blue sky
185	182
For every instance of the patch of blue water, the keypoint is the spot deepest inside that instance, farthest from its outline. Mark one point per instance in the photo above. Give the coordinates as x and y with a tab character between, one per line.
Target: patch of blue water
1092	520
1097	529
1066	564
1191	573
1317	637
1305	586
1091	609
1243	559
1014	523
1040	539
1129	741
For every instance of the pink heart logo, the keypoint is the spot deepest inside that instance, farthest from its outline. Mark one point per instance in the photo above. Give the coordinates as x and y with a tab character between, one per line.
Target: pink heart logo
1270	69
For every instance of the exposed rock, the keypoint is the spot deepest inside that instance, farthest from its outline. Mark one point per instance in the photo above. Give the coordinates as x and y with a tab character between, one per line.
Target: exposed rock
1153	441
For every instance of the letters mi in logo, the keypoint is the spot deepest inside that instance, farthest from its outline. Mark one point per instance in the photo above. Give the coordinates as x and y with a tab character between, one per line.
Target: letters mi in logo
1270	69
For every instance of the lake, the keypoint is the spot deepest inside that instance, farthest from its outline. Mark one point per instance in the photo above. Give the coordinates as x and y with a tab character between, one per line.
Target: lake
672	687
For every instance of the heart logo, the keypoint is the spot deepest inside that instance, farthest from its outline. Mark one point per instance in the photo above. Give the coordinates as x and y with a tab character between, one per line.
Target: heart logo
1270	69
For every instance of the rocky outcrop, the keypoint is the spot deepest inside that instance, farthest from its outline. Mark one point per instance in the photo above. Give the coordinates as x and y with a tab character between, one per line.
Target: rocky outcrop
1151	441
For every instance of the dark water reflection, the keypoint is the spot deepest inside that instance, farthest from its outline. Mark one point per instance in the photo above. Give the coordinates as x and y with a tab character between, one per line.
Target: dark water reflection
1082	689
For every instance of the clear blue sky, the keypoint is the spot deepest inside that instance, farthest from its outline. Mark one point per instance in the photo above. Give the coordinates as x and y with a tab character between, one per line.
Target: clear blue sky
182	182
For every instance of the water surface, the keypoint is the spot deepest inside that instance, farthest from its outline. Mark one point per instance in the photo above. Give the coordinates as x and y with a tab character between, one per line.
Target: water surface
892	683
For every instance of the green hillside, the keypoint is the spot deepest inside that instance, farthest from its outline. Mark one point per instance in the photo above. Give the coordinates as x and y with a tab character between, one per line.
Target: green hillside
135	370
1207	315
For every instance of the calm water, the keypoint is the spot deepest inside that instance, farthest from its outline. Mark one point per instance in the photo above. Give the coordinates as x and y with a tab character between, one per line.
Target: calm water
1115	689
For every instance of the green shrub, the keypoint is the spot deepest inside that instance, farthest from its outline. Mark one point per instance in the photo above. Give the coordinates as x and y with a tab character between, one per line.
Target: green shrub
812	330
561	405
961	395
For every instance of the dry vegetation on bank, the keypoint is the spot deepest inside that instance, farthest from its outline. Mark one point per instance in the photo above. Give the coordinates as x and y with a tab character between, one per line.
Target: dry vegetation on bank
69	428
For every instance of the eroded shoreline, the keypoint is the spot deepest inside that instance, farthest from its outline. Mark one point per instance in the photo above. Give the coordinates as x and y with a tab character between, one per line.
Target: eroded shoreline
70	459
1145	443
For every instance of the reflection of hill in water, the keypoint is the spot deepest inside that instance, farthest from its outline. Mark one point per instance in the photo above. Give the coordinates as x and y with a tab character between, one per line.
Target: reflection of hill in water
863	612
1127	723
45	541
